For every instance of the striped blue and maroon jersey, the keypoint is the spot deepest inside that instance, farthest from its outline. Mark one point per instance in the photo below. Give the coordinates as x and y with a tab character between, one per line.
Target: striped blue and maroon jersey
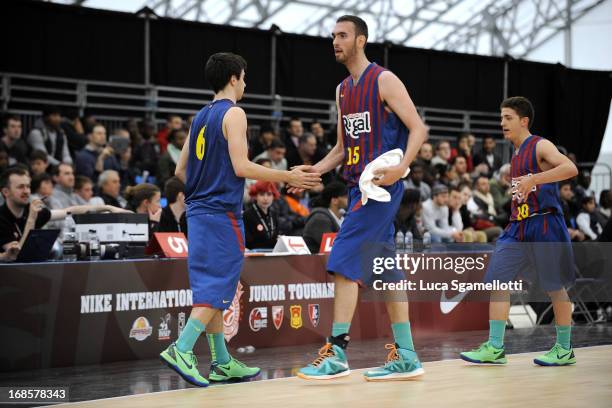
543	198
368	130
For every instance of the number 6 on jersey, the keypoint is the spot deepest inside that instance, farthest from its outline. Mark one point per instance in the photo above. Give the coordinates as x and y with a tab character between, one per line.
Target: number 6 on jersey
201	144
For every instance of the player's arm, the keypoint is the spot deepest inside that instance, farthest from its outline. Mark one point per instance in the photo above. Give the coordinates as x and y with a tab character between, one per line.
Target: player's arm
335	157
61	214
181	166
556	166
395	95
235	129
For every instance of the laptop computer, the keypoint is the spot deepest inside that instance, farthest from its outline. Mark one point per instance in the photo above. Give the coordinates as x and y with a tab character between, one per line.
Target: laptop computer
37	246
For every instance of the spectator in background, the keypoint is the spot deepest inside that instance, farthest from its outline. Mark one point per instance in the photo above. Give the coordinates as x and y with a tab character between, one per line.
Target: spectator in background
260	220
120	133
110	188
48	136
97	156
173	217
173	122
38	162
89	121
488	156
582	188
463	150
587	219
469	233
459	170
168	160
568	206
500	188
83	188
4	159
424	158
326	216
291	218
295	130
276	154
12	141
443	154
306	152
249	182
409	216
323	145
123	154
482	208
75	133
436	215
145	199
260	145
41	186
415	181
63	193
144	151
605	204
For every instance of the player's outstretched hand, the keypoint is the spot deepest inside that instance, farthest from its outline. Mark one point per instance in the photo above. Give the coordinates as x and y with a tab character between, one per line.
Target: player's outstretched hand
387	176
302	179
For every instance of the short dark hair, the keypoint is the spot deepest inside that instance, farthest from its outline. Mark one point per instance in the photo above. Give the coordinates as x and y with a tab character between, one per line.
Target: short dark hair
294	119
6	175
587	199
56	169
262	161
221	67
6	118
454	159
80	181
361	28
174	132
276	144
172	188
304	138
38	180
50	110
39	155
521	105
564	183
478	178
334	189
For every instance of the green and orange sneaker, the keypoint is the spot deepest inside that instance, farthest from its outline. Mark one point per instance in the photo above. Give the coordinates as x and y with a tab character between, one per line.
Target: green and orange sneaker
233	370
486	353
557	356
402	364
331	363
185	364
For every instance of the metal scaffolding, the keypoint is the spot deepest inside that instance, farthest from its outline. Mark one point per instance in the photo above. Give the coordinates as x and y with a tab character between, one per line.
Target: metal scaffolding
492	27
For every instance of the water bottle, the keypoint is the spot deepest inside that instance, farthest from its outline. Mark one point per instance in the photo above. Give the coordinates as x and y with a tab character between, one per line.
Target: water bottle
94	246
69	239
426	241
399	241
69	224
408	242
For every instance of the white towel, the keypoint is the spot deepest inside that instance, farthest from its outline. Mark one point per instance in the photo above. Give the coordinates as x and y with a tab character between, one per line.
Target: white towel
366	185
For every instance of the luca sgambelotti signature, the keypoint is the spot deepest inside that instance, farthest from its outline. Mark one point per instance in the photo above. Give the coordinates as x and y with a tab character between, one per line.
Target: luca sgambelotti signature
454	285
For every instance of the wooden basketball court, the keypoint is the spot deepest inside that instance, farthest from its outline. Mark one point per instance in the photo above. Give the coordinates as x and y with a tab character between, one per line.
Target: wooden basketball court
447	383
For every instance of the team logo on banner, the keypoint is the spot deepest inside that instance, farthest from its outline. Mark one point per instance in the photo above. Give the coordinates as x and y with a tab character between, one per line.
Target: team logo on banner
314	314
296	316
278	312
231	316
258	319
141	329
163	332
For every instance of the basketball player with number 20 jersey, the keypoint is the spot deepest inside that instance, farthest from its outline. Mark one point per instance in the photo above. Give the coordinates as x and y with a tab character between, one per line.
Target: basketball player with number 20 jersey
213	164
536	244
374	115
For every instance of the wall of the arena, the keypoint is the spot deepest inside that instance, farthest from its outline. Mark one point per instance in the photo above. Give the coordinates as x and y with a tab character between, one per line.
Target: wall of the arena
49	39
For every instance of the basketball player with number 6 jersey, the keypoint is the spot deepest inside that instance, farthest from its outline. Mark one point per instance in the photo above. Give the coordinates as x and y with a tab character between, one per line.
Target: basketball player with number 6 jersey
536	243
213	164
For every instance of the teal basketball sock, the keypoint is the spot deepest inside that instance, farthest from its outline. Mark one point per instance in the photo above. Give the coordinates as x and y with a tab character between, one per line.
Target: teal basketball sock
563	336
496	333
340	328
190	335
218	350
403	335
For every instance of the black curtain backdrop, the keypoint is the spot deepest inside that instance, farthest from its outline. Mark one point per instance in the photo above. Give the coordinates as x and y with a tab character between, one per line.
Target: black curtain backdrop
50	39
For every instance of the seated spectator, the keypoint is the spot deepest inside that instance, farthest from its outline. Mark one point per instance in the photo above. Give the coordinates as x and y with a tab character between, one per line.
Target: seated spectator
605	206
75	132
488	156
459	171
463	150
109	185
567	204
261	144
469	233
290	222
12	142
63	193
501	191
38	162
173	122
326	216
96	156
482	209
323	145
415	181
435	217
174	217
41	187
83	188
18	215
424	159
168	160
144	199
276	154
306	151
583	185
587	219
295	130
261	221
144	151
409	216
48	136
123	155
443	153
